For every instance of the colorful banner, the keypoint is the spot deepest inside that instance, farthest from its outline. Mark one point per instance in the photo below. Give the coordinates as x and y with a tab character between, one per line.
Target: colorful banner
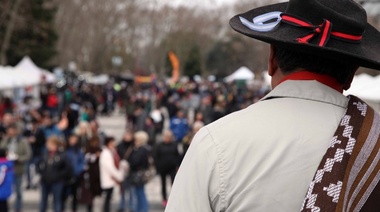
144	79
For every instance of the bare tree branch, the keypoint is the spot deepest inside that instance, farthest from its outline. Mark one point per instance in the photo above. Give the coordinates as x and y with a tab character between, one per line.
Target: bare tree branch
8	32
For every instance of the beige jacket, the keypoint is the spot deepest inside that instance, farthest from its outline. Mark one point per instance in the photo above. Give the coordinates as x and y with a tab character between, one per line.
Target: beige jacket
23	152
261	158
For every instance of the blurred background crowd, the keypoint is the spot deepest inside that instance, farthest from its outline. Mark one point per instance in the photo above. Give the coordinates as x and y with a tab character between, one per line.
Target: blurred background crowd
56	144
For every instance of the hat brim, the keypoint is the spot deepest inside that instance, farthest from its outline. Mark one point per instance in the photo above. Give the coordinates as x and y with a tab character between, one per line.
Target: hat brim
366	53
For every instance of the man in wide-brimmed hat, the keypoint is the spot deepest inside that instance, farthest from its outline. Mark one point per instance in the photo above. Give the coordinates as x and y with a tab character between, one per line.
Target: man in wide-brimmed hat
305	146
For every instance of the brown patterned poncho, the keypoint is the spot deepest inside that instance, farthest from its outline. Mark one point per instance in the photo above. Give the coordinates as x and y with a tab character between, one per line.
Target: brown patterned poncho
347	178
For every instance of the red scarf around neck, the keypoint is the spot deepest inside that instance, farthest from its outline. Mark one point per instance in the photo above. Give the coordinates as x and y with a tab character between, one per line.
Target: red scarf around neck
307	75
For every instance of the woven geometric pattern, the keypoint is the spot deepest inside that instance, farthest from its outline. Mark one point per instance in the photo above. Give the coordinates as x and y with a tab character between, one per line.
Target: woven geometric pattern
324	190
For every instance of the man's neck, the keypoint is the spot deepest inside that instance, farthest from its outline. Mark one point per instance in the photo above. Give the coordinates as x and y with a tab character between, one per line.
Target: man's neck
307	75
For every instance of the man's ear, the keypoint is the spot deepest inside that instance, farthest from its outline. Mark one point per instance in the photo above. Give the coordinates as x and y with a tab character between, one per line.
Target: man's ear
347	85
272	63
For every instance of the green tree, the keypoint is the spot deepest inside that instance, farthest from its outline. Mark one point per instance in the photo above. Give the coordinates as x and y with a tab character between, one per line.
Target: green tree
192	65
35	33
228	55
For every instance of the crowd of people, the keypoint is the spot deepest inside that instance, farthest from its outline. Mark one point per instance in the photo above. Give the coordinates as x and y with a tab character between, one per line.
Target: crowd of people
58	146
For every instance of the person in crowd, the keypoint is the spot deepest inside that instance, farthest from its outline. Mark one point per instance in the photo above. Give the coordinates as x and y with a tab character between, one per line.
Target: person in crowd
55	169
6	106
172	106
126	144
24	108
6	180
96	131
139	160
206	109
36	139
140	116
75	155
219	109
111	171
109	97
305	146
124	149
84	116
166	157
54	129
52	102
19	152
158	121
72	111
32	115
189	137
87	95
198	119
7	120
87	114
130	108
90	182
149	128
179	126
84	133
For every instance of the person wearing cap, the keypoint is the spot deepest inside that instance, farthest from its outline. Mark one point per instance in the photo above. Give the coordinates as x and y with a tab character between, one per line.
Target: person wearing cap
305	146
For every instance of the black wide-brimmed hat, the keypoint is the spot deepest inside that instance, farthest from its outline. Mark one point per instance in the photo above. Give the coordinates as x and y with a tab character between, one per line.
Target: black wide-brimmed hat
335	29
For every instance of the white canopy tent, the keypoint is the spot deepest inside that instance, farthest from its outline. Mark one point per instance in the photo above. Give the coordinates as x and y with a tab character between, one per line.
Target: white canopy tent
99	80
14	80
242	73
35	74
11	78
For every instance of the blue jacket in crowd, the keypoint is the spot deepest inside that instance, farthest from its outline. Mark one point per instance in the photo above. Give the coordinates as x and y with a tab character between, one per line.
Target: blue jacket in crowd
6	178
179	127
76	157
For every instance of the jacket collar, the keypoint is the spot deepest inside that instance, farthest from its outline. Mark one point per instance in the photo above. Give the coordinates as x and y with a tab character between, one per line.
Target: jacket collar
308	90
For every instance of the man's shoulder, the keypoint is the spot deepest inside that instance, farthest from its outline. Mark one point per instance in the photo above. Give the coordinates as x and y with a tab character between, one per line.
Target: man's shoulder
241	117
237	123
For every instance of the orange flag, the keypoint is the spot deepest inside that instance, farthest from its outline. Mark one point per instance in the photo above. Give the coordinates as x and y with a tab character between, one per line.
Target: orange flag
175	65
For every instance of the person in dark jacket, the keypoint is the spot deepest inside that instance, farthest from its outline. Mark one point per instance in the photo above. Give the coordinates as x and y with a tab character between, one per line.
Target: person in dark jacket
36	138
54	169
166	157
124	149
149	128
125	144
75	155
90	182
139	160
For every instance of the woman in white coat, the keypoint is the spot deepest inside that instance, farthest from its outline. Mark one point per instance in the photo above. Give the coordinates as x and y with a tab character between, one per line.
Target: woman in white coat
112	171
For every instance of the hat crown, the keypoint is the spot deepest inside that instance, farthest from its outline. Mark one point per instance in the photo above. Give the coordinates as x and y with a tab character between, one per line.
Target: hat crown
345	15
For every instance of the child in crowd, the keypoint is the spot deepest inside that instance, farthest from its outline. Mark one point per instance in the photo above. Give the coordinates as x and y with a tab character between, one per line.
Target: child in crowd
6	180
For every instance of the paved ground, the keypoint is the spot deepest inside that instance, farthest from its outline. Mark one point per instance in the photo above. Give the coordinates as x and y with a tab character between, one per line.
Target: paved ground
113	125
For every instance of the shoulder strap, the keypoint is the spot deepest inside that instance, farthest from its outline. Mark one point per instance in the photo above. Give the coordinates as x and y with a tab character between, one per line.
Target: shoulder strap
334	179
